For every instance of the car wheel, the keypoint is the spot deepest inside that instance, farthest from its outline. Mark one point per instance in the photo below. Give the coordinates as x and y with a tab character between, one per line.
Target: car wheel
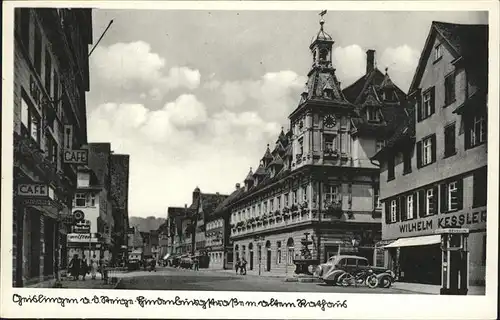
330	282
385	282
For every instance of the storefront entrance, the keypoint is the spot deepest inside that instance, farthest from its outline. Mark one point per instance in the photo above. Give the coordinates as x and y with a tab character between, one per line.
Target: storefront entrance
421	264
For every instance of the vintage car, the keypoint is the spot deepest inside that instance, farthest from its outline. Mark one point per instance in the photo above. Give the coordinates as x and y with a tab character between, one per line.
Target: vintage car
186	262
340	264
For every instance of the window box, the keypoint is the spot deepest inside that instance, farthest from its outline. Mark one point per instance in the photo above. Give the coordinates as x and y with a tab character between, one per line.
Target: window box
334	207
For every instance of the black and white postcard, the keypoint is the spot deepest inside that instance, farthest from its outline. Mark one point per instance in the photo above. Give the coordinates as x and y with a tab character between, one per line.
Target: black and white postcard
250	159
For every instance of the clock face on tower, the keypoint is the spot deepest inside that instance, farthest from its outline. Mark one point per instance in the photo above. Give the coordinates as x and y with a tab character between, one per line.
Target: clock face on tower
329	121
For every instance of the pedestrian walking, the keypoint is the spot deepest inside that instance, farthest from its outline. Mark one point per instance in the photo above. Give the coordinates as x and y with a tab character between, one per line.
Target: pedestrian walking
153	265
74	267
237	265
243	266
196	264
93	267
84	268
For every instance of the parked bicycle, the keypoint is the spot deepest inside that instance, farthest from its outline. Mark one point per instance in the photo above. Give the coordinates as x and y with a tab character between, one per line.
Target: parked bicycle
366	277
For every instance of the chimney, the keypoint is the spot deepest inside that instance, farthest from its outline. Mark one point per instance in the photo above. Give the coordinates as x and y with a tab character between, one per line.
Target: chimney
370	60
237	186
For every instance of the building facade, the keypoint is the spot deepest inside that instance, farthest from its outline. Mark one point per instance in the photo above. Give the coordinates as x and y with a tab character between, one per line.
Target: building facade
119	175
51	76
318	182
93	199
434	170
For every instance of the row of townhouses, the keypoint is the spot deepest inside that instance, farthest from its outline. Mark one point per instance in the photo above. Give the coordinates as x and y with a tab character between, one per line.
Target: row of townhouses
70	196
361	170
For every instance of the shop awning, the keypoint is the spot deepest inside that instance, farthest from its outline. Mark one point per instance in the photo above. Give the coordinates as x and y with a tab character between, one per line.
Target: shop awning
415	241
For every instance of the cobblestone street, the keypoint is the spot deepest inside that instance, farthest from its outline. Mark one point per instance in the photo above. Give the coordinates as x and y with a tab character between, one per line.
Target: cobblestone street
207	280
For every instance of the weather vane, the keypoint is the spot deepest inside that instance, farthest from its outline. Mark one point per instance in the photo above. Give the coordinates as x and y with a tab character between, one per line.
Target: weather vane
322	21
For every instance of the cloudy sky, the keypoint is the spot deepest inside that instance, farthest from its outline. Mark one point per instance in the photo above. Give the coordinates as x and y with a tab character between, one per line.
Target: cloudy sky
195	96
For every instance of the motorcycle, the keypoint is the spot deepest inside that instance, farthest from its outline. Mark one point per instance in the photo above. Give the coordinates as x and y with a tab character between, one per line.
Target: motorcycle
362	277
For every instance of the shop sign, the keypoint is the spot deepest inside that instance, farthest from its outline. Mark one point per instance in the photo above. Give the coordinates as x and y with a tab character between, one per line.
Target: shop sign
67	218
76	156
41	202
81	229
449	221
453	230
81	237
35	190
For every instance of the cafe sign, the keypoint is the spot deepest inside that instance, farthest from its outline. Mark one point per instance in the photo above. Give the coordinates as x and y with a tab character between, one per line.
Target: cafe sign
81	237
35	190
446	221
76	156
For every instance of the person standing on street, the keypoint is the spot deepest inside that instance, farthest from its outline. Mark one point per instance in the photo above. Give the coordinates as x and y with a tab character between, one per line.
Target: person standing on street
84	268
237	265
93	267
74	267
243	266
196	264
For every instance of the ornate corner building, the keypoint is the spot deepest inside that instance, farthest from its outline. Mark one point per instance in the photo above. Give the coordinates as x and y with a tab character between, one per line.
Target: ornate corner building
318	177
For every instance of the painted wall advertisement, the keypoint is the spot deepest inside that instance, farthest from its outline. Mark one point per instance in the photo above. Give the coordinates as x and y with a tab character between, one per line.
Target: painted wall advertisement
473	220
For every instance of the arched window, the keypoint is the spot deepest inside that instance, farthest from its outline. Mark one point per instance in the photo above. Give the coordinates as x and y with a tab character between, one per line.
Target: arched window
243	253
323	54
291	251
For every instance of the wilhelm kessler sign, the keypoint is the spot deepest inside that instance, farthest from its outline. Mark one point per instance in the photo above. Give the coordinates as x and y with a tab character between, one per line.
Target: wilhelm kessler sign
76	156
471	220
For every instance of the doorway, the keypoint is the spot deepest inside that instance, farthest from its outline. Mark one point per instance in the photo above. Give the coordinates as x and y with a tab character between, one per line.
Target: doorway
250	249
421	264
268	257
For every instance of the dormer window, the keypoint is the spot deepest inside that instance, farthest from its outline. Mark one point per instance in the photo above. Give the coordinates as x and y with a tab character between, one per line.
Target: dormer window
438	52
372	114
389	95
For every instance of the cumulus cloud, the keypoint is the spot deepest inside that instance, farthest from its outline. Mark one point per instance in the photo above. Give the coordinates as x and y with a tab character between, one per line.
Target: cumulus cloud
133	64
274	95
402	58
179	146
401	61
350	62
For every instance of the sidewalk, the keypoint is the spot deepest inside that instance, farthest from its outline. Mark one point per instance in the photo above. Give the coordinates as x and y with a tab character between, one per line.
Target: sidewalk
432	289
67	283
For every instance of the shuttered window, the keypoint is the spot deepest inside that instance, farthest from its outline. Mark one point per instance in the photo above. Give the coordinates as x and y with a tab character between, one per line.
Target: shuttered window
426	108
390	168
449	140
394	209
451	196
426	151
480	188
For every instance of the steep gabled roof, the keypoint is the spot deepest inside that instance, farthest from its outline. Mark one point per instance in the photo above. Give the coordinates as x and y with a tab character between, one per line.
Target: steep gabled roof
210	202
260	171
403	131
354	91
467	41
